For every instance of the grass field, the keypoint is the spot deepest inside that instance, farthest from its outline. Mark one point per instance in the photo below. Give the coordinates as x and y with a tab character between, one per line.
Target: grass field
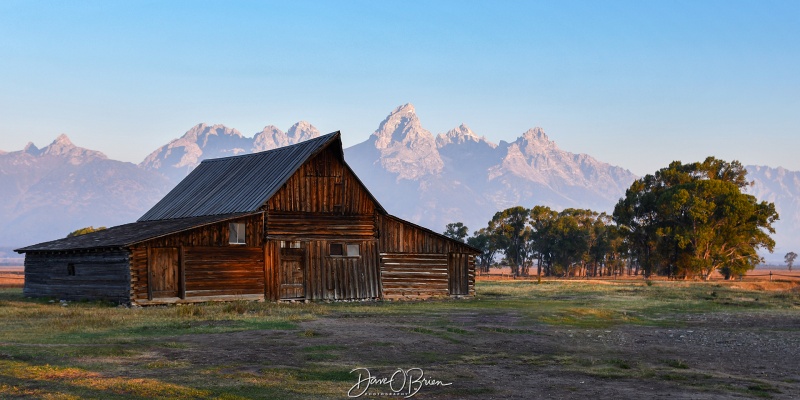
561	339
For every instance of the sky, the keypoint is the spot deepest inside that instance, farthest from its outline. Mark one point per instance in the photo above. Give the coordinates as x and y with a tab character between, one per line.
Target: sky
633	83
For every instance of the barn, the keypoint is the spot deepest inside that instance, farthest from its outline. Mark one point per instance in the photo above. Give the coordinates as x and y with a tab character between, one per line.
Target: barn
290	224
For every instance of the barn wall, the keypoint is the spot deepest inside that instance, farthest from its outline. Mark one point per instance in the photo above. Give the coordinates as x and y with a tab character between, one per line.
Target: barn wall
210	267
214	271
342	278
323	185
101	275
303	226
417	263
213	235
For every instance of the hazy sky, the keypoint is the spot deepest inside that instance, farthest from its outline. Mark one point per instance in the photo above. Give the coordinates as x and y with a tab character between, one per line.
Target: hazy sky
636	84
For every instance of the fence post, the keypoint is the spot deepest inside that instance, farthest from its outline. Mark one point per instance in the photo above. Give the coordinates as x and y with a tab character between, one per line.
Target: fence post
770	276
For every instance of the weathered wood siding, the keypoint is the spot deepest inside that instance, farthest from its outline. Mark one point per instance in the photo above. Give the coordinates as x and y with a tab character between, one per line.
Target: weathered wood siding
342	278
231	271
398	236
209	266
216	234
414	275
101	275
330	277
323	185
461	270
418	263
302	226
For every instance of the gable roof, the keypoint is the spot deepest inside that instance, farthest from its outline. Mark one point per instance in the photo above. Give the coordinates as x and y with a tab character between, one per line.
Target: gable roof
240	184
128	234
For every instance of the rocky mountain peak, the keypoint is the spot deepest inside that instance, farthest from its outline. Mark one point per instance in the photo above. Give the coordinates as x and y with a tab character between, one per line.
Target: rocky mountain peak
31	148
301	132
535	141
401	126
177	158
63	147
202	133
406	148
460	135
271	137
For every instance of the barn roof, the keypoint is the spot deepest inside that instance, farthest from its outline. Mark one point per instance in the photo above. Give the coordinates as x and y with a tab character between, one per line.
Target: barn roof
240	183
128	234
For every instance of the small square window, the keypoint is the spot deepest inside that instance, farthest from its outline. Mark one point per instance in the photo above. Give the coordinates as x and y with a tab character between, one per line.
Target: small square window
337	249
71	269
353	250
236	230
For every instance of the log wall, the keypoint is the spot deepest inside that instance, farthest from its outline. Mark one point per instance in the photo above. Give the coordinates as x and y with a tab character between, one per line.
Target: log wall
414	275
206	272
231	271
418	263
101	275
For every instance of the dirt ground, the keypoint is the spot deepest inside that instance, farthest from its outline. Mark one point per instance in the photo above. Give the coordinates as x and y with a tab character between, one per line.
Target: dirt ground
719	343
697	356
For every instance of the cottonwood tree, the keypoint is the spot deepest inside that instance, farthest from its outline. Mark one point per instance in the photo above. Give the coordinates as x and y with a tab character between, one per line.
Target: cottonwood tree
484	242
457	231
789	258
510	231
693	219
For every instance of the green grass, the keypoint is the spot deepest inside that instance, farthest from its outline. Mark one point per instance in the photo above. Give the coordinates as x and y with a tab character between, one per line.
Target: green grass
98	350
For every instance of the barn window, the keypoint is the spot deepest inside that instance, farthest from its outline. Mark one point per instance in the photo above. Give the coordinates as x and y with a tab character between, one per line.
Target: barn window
353	250
345	249
236	230
292	244
71	269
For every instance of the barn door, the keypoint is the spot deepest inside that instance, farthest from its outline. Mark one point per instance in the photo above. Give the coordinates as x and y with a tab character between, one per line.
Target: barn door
458	273
292	273
164	272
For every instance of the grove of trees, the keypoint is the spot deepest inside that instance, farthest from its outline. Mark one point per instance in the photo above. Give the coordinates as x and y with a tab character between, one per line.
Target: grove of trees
685	220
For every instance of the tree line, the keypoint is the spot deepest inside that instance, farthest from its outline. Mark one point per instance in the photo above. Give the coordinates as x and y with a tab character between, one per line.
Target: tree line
683	221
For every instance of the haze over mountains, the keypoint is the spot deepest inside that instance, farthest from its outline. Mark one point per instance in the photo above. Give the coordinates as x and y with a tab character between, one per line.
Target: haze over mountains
430	180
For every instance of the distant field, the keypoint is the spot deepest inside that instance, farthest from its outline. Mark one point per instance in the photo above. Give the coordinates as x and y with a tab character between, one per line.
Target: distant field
760	273
11	277
516	339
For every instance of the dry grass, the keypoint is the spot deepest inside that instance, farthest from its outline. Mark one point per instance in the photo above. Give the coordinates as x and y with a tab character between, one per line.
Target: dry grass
244	350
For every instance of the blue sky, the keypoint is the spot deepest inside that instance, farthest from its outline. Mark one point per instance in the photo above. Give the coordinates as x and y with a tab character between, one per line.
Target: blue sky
636	84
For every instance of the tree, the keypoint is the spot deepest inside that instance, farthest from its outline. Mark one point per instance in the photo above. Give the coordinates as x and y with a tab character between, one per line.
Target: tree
484	242
690	219
510	231
789	258
541	222
456	231
83	231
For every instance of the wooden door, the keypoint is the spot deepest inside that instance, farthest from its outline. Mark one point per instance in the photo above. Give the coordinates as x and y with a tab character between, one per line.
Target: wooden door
164	272
292	274
458	271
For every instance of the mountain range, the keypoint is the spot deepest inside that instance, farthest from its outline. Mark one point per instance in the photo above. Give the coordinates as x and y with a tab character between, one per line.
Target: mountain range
428	179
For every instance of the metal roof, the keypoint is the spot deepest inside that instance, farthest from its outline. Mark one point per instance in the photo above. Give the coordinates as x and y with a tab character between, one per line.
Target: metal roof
239	183
128	234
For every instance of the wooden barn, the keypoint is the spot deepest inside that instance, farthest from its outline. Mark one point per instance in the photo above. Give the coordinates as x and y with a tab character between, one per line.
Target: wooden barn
294	223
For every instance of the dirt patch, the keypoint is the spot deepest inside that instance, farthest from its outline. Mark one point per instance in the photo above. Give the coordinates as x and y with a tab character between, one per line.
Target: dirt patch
717	355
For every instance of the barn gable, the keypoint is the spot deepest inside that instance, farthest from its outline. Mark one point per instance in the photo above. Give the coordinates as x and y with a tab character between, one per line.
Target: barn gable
242	184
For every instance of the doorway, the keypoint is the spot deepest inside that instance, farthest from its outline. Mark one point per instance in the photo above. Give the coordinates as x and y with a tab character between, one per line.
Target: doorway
292	274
